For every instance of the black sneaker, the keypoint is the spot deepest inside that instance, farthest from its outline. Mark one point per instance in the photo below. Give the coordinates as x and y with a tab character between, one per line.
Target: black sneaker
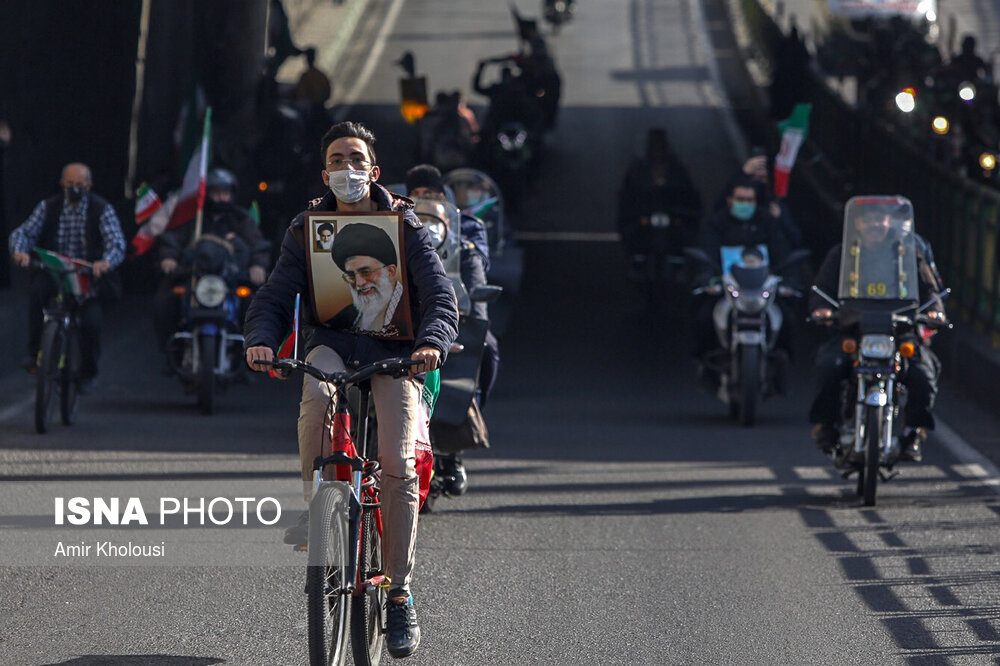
454	479
402	631
912	445
825	437
298	534
30	364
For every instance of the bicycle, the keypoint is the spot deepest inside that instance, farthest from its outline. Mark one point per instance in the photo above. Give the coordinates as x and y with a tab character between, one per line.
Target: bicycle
58	360
345	524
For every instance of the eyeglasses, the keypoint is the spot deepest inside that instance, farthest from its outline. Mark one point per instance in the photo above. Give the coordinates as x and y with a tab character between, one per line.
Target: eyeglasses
356	162
351	277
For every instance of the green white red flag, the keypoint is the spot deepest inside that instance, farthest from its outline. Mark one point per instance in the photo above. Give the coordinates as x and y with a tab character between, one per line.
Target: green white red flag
146	203
192	195
75	283
793	135
481	207
289	347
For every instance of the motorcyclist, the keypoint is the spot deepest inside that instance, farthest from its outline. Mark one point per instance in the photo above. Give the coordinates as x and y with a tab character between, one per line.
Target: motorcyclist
223	220
350	171
740	224
424	182
833	366
655	182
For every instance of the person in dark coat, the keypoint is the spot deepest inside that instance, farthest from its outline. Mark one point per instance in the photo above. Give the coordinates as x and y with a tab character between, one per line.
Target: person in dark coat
833	365
350	170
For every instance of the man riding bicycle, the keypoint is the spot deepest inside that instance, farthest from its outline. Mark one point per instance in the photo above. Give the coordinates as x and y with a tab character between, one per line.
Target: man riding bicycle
81	225
350	172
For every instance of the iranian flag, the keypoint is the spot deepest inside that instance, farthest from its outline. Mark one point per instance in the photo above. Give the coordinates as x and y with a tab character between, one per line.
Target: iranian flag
793	134
481	207
146	203
289	347
75	283
192	195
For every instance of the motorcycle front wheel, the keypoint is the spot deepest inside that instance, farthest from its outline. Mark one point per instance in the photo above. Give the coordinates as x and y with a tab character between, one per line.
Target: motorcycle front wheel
207	354
749	384
873	440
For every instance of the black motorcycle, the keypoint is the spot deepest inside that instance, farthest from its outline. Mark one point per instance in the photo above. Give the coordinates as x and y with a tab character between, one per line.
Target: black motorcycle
206	352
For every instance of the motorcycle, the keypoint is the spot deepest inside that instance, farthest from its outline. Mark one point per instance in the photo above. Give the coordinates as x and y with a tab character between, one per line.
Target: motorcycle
747	321
456	423
206	353
879	319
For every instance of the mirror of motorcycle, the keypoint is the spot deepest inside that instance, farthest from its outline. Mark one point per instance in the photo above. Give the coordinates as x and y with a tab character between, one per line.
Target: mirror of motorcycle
486	293
940	297
793	258
698	254
825	296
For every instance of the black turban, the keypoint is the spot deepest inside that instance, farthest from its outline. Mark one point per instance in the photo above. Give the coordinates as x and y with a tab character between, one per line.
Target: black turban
360	239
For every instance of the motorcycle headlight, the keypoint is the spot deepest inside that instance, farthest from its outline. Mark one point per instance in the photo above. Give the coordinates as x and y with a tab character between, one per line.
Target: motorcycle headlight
750	302
877	346
210	291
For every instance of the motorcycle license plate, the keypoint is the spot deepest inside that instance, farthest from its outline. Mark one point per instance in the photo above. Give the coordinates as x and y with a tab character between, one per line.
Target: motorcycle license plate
659	220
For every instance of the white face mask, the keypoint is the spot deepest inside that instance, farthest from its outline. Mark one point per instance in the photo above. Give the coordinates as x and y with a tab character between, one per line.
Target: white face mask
349	185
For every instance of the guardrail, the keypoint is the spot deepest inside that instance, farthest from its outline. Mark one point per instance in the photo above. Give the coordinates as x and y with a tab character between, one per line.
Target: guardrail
960	218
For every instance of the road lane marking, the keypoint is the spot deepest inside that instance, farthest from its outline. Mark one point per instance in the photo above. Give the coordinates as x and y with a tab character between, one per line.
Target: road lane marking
968	456
814	473
374	56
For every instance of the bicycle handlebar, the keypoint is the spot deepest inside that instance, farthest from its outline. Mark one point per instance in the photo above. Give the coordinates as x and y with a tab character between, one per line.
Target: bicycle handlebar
82	270
394	367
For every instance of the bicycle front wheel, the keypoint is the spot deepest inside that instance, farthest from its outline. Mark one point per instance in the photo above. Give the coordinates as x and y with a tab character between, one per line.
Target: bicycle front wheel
48	374
326	576
367	635
69	378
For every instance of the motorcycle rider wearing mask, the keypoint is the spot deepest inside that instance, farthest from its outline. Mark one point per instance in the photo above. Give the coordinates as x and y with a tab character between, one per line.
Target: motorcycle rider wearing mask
81	225
740	223
833	365
424	182
350	171
221	218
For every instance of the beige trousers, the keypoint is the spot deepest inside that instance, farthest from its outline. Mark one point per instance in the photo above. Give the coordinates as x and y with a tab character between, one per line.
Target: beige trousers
396	407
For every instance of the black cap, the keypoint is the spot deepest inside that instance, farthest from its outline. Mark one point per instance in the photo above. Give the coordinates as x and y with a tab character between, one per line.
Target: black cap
424	175
360	239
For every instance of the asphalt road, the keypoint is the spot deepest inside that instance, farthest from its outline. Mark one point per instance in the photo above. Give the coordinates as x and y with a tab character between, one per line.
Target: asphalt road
618	517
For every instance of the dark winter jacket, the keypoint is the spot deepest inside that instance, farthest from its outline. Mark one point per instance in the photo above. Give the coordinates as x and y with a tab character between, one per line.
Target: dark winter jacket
434	308
721	229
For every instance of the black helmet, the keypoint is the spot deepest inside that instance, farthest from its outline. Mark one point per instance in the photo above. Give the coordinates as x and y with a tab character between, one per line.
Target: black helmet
221	179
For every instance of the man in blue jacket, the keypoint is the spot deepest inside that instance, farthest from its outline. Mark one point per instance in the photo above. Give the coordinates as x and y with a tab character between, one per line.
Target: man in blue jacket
351	171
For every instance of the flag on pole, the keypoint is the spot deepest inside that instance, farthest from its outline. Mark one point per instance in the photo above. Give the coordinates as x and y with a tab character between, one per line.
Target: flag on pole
793	134
188	125
423	449
289	347
481	207
75	283
146	203
192	195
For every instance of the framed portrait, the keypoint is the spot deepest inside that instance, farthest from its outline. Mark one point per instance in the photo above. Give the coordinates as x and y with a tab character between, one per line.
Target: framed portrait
357	273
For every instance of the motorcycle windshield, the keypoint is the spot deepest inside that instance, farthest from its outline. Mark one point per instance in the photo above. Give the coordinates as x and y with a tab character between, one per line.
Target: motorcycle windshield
477	194
746	256
443	221
749	278
878	259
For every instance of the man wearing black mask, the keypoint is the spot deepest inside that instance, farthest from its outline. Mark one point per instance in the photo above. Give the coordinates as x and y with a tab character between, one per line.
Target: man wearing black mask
81	225
224	219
